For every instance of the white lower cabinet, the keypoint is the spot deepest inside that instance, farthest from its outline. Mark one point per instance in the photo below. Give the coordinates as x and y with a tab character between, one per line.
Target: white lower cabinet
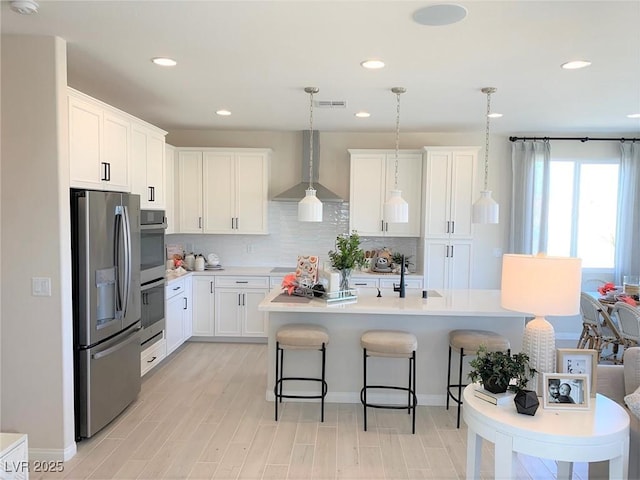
367	286
236	306
447	264
178	313
153	355
14	457
203	305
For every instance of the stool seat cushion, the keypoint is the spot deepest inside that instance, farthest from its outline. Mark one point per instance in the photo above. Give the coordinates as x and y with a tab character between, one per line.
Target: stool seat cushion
302	336
470	341
389	343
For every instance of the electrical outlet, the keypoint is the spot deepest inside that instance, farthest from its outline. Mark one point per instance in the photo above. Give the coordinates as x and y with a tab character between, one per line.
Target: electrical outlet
41	286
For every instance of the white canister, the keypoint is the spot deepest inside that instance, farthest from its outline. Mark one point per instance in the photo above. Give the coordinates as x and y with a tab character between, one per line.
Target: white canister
199	265
170	264
190	261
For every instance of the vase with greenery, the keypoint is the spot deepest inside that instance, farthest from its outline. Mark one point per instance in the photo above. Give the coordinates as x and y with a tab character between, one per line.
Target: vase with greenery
346	257
497	370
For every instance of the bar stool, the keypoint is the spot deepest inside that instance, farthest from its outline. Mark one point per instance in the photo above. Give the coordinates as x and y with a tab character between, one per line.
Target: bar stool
300	337
467	342
391	344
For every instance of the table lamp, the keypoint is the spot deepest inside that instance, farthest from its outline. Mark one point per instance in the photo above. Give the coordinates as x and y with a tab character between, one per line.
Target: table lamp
541	286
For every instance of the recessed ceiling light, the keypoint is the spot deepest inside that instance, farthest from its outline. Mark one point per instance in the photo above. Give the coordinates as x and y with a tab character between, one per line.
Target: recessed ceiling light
164	62
575	64
440	14
372	64
494	115
223	112
634	115
363	114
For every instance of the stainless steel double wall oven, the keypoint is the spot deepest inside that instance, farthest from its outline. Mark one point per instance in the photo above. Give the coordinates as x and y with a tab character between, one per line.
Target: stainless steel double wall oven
152	270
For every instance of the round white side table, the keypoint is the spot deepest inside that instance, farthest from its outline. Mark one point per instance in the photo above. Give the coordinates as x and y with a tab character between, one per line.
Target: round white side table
600	433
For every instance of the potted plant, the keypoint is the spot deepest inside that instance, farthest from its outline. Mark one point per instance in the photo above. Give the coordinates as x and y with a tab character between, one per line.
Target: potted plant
346	256
499	371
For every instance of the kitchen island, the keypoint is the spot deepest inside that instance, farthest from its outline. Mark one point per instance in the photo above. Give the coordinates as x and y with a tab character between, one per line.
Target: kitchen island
430	319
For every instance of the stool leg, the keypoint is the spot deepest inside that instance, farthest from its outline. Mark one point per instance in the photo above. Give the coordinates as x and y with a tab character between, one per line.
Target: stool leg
413	392
409	391
275	388
281	371
460	387
324	392
364	405
448	377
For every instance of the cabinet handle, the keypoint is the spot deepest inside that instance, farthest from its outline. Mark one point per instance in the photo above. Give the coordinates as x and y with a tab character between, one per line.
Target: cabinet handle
451	251
237	223
382	225
185	303
176	288
151	360
239	299
152	194
453	227
243	299
199	222
242	281
448	226
386	226
360	284
211	287
447	254
106	171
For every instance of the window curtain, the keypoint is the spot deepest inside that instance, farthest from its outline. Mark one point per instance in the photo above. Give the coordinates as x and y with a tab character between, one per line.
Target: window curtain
627	261
530	196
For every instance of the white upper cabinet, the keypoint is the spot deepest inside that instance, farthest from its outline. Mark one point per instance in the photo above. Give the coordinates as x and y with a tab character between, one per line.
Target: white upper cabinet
449	175
148	165
169	183
223	191
99	139
372	177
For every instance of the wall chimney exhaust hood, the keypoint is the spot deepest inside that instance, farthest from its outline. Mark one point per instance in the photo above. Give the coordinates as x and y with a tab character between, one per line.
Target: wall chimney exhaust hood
297	192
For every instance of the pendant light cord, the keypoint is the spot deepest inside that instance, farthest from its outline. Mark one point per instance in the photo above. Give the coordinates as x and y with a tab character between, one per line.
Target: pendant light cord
488	91
311	139
397	138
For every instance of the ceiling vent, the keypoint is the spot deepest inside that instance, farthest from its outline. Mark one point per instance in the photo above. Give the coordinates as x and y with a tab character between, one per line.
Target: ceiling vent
331	103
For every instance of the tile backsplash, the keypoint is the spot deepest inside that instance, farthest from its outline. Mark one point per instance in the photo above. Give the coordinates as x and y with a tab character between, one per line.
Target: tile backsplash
288	238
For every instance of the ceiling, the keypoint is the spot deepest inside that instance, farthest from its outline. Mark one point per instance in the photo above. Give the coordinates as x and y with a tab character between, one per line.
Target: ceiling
255	58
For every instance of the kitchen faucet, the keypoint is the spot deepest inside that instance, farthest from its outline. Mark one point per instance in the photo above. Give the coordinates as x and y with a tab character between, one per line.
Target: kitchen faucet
400	288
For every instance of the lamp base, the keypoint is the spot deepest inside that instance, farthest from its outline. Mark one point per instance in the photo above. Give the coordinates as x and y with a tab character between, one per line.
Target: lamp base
539	343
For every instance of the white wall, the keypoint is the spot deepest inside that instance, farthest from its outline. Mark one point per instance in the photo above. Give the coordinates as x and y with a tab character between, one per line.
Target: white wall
334	174
37	351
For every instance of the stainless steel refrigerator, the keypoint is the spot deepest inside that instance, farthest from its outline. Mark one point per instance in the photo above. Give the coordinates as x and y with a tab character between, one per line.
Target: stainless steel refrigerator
106	305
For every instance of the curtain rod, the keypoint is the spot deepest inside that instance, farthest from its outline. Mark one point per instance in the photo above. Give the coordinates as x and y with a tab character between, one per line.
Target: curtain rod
582	139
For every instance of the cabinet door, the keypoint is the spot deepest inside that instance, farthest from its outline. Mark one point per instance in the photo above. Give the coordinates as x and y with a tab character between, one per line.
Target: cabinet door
139	165
169	200
85	123
187	309
460	265
203	306
436	264
219	191
190	192
251	195
461	202
155	171
115	151
437	195
173	323
254	322
228	312
367	184
410	183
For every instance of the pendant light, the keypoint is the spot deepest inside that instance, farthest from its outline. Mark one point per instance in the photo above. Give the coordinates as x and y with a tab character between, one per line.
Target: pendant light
396	209
310	208
485	209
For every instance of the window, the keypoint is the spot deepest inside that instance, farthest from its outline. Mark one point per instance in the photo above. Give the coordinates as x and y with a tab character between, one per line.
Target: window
583	208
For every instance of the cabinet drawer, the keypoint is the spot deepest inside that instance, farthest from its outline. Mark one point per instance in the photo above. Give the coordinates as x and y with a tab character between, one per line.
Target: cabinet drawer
408	283
174	288
242	282
364	282
152	356
275	282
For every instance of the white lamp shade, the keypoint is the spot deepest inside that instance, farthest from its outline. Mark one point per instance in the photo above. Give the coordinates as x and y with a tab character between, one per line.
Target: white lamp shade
396	209
310	208
486	210
541	285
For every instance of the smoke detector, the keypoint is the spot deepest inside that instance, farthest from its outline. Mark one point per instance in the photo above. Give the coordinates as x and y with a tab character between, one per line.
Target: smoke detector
24	7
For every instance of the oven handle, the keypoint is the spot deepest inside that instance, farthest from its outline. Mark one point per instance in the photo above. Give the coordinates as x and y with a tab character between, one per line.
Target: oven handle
154	284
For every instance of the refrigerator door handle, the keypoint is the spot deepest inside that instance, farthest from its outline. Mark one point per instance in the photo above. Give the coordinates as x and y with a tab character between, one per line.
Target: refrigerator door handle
117	246
131	338
127	258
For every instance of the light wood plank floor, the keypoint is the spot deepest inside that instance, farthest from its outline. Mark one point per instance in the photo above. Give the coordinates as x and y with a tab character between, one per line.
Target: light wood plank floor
202	415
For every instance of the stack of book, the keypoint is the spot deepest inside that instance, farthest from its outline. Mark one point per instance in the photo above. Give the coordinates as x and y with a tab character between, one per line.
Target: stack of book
495	398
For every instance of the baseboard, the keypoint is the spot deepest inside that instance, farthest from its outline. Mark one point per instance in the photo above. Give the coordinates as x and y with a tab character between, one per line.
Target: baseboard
53	454
229	339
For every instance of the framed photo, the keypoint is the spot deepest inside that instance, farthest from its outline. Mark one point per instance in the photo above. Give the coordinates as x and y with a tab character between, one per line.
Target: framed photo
581	361
564	391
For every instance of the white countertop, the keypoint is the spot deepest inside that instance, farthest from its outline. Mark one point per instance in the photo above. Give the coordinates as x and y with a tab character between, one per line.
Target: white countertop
478	303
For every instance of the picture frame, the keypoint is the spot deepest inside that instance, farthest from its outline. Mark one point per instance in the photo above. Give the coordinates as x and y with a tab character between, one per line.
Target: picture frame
580	361
566	391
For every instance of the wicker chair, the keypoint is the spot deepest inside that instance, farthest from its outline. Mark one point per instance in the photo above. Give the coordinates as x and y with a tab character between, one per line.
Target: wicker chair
629	320
598	329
